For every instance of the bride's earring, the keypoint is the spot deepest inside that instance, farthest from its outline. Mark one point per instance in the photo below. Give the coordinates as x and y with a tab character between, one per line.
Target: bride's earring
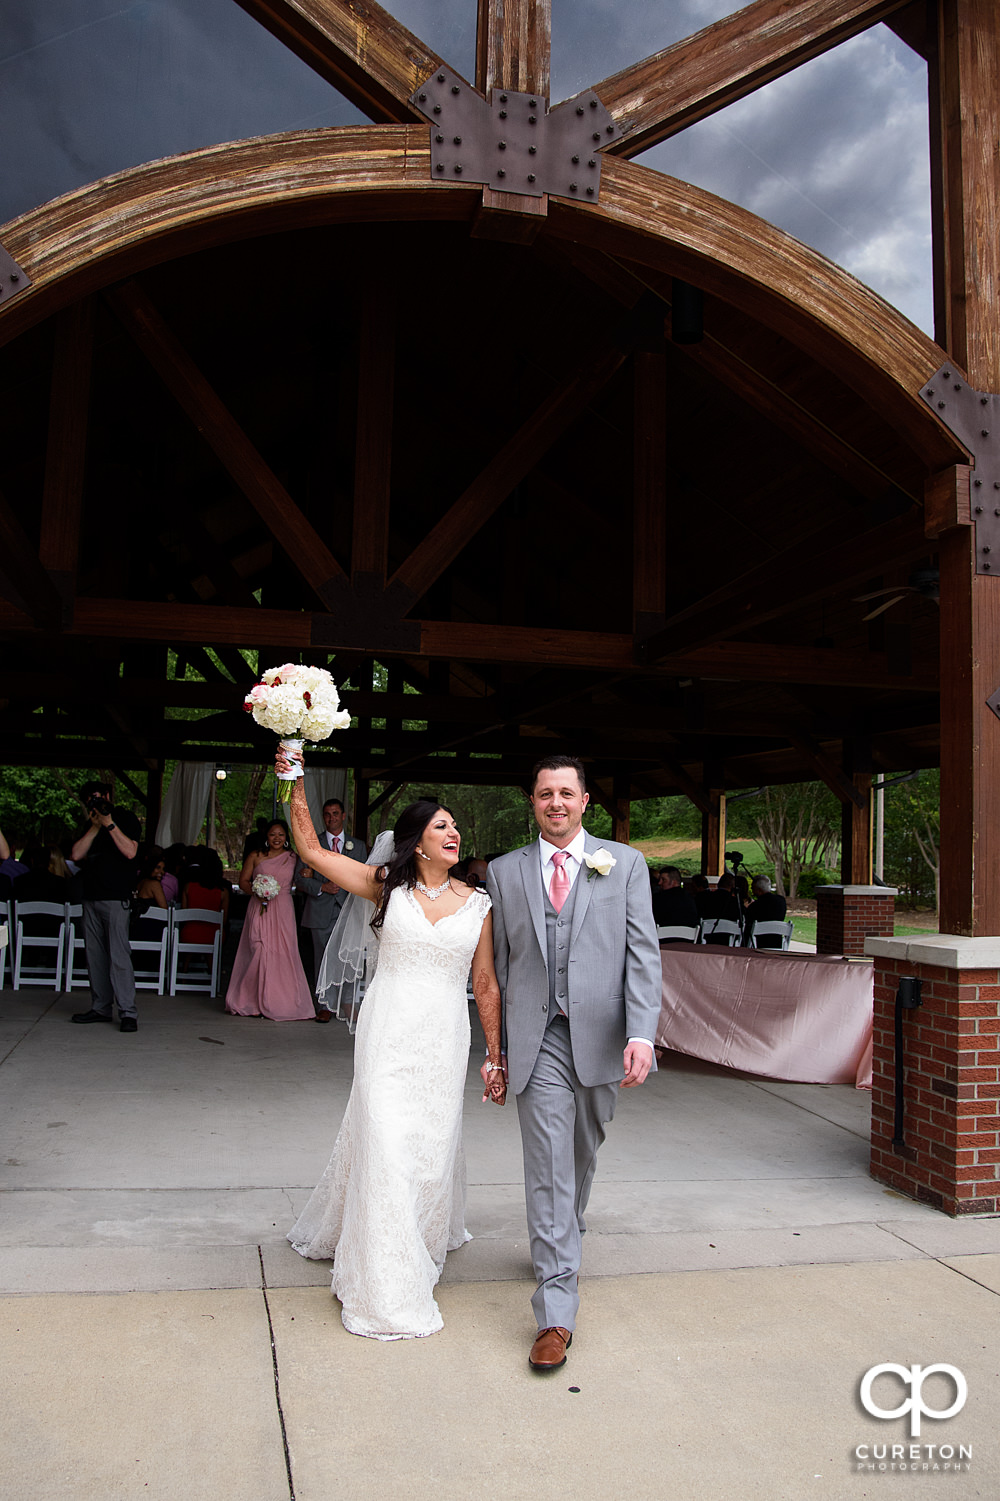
422	855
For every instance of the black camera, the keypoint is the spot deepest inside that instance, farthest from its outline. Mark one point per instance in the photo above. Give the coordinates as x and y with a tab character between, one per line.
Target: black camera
98	804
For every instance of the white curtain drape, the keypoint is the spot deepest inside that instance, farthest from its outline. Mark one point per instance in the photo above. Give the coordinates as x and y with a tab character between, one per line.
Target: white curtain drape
185	804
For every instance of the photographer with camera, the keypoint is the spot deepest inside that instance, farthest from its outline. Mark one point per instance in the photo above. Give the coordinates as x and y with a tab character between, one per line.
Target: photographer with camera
106	852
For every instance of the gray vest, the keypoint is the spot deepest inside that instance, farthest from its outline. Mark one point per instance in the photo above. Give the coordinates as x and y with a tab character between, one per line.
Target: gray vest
557	931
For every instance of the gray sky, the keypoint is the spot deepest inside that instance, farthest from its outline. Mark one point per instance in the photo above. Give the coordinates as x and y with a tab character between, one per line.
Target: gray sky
836	153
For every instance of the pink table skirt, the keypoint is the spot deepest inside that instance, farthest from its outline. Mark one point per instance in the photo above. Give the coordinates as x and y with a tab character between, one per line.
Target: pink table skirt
801	1017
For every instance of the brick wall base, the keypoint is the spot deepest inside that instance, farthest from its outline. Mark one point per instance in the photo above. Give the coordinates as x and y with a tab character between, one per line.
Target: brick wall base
950	1156
847	915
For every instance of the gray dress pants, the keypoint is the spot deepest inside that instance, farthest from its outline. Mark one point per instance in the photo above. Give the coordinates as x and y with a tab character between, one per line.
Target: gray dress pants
562	1126
109	958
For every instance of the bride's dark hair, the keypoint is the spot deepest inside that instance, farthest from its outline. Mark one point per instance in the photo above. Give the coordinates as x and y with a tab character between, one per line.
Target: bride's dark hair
402	869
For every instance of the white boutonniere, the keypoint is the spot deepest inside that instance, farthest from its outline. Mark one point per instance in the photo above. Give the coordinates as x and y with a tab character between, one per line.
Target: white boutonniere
601	862
349	845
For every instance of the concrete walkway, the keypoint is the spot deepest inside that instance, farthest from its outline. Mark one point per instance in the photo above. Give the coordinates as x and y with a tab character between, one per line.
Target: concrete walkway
742	1273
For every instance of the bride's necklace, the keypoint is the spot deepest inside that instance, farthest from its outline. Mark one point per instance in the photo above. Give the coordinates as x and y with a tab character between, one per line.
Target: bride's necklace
433	892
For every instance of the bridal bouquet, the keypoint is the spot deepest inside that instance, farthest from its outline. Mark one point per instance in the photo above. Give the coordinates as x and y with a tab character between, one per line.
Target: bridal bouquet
298	704
265	887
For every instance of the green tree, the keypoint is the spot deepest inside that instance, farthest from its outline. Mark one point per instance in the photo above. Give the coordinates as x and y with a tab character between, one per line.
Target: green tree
798	825
912	856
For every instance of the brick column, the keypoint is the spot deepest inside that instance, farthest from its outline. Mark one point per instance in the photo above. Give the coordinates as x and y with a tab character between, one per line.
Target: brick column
847	915
950	1155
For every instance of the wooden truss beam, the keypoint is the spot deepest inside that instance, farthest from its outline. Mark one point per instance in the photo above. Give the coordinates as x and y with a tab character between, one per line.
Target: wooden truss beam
822	565
694	78
358	47
458	641
513	46
23	580
490	488
649	504
839	783
265	492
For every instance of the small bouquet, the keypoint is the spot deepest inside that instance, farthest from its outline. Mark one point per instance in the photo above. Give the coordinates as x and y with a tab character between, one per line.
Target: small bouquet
266	888
298	704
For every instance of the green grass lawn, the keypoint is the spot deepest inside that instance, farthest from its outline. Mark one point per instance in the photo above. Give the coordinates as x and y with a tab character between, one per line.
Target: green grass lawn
805	929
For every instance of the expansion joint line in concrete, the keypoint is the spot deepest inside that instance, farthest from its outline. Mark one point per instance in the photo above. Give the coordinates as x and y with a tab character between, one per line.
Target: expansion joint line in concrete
277	1384
38	1019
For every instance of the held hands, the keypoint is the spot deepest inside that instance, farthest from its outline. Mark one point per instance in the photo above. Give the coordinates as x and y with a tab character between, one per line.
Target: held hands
285	760
638	1062
495	1083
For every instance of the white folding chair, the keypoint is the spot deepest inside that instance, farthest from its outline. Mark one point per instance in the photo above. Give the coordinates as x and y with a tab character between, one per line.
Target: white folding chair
688	935
77	976
146	979
50	943
210	952
721	927
4	914
782	930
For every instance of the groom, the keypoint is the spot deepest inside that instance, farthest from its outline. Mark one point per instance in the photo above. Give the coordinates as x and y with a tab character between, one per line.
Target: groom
579	970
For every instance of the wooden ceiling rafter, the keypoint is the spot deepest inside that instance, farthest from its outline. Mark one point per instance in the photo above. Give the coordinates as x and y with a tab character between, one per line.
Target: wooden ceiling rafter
66	448
262	488
663	94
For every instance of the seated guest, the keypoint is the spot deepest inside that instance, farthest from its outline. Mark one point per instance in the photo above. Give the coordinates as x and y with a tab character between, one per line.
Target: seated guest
673	907
203	886
39	885
699	889
148	893
173	858
767	906
720	903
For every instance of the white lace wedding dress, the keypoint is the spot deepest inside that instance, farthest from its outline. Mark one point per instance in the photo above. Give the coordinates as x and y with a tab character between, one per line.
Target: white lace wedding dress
391	1203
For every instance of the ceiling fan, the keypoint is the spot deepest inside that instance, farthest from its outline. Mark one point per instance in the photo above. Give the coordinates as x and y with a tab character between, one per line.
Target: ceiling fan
925	581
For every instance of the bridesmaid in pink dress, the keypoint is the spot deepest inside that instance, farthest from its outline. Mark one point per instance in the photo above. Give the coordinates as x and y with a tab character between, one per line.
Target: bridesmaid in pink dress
268	978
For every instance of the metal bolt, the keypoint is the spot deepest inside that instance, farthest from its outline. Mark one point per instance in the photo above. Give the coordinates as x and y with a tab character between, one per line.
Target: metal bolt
986	566
437	109
440	78
501	145
572	187
458	140
946	375
440	167
929	391
996	484
593	103
532	150
985	549
579	111
985	432
503	114
423	98
575	160
592	162
979	510
984	401
977	482
456	89
532	103
532	119
503	98
957	386
15	276
531	176
940	406
997	511
610	130
458	166
439	139
590	192
501	172
597	135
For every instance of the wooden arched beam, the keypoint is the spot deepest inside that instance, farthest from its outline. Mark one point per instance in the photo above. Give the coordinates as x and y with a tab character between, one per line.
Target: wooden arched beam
166	209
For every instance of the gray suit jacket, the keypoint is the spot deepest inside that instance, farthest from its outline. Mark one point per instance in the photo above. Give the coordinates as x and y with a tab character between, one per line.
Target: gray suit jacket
322	908
614	961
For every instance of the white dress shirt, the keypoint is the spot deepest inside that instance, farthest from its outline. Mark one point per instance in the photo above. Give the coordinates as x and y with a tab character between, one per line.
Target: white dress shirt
574	850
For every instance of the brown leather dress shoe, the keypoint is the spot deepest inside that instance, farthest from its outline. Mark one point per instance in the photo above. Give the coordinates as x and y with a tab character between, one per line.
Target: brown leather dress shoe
548	1352
322	1015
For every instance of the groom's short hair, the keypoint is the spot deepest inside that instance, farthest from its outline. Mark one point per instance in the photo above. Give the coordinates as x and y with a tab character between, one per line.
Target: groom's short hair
559	763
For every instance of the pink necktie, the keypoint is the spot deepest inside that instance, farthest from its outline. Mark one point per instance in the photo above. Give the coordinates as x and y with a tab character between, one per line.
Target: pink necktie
559	885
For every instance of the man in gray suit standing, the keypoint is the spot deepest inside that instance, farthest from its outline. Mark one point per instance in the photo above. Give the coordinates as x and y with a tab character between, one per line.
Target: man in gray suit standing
324	898
579	969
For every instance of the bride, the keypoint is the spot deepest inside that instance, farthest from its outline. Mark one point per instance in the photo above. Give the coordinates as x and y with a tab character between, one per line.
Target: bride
391	1203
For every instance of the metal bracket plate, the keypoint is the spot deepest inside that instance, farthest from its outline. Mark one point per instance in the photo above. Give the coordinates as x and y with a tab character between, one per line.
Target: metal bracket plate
12	279
993	702
513	143
974	418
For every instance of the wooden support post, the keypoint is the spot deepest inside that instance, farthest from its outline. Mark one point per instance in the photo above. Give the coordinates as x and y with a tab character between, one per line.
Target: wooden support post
66	449
373	449
513	48
713	833
856	833
154	799
967	198
362	791
622	790
649	523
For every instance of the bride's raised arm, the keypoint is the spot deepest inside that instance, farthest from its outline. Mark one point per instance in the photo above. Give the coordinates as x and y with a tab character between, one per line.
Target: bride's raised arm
361	880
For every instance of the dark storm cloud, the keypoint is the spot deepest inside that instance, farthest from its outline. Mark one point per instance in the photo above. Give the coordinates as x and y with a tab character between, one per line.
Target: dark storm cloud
836	153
